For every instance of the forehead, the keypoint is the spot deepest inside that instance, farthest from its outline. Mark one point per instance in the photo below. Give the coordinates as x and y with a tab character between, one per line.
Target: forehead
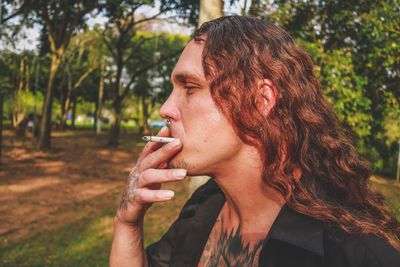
190	61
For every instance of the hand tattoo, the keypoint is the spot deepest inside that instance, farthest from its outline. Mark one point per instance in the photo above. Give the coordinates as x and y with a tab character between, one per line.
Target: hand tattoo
128	194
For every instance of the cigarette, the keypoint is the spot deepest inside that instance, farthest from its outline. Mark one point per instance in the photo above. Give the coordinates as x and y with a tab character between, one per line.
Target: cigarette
158	139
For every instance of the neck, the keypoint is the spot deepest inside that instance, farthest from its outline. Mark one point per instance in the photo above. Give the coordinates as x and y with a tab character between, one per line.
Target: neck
250	204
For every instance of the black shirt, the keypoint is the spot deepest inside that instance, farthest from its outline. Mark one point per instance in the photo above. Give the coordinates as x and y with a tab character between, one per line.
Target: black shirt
294	240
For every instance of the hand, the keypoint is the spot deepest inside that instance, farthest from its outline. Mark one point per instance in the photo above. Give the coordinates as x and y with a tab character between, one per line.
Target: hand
144	181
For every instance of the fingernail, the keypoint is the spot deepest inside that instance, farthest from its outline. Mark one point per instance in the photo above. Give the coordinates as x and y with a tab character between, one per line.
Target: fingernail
174	144
179	173
168	194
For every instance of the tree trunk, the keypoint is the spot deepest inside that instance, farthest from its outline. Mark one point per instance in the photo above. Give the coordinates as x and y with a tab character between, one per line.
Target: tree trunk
73	117
63	103
1	125
63	119
209	10
115	123
138	114
116	116
145	128
255	8
100	98
18	114
65	108
45	123
96	107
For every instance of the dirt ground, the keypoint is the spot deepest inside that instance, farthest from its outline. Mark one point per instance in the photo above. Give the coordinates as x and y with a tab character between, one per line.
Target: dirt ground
44	189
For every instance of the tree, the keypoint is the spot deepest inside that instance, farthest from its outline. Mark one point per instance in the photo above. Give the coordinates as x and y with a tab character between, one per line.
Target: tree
10	9
210	9
18	72
61	19
154	84
120	30
84	56
5	90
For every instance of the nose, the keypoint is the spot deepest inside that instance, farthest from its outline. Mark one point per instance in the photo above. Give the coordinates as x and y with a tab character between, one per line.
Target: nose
170	108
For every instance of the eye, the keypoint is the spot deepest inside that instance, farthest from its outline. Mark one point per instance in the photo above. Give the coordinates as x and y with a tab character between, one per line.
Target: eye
190	89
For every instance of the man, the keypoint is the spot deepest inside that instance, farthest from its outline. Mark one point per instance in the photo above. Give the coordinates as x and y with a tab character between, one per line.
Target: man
288	187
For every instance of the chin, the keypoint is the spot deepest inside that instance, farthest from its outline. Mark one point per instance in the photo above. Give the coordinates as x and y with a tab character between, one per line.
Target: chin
180	163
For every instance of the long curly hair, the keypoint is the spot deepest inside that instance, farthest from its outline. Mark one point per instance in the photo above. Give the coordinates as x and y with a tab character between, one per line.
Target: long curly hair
301	131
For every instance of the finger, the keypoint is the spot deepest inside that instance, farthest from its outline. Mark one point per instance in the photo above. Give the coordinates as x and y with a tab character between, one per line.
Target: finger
157	157
144	195
155	176
153	146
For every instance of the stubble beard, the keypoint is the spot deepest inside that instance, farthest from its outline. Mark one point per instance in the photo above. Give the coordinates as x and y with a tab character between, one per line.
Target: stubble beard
179	164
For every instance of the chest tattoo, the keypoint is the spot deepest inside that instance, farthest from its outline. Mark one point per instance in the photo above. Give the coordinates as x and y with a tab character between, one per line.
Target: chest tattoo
230	250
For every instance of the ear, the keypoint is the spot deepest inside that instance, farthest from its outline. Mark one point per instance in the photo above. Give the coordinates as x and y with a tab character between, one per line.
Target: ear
267	96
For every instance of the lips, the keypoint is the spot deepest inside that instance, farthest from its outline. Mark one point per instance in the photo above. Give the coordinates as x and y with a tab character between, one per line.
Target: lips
171	132
173	135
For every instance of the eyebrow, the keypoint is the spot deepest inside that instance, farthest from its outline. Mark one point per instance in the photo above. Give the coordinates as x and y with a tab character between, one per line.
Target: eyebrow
183	77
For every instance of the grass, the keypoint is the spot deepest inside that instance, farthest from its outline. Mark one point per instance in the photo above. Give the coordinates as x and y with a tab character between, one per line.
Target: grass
391	190
86	241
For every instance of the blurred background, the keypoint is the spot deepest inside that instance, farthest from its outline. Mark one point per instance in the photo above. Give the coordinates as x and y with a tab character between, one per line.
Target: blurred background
82	81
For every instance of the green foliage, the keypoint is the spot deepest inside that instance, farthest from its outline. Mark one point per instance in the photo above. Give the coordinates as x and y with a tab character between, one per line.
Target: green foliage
161	51
5	72
342	86
391	122
355	45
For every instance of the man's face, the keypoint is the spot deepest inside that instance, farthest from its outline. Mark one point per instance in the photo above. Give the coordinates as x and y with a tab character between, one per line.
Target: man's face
209	141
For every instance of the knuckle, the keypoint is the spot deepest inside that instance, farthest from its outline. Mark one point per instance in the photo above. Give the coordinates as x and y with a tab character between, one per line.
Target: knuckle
138	196
141	180
145	177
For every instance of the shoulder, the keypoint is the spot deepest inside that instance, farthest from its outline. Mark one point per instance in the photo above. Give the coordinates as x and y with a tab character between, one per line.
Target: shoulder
360	250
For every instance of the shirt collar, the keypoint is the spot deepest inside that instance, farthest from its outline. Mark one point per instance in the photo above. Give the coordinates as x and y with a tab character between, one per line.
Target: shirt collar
289	226
298	230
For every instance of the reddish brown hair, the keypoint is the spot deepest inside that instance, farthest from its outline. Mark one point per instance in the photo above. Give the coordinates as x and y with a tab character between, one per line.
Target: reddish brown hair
301	130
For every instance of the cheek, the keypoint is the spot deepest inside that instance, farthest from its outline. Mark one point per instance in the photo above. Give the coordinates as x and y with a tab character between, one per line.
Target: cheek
211	132
214	128
204	126
204	122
